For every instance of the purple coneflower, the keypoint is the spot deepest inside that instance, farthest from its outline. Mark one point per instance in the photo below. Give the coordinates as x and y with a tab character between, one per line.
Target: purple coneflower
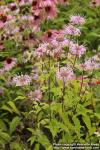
9	63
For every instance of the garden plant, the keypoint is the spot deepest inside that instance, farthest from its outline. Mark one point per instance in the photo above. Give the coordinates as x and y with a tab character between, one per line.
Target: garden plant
49	74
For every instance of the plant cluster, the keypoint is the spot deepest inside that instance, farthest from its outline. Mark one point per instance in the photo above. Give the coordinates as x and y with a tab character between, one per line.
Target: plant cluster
49	76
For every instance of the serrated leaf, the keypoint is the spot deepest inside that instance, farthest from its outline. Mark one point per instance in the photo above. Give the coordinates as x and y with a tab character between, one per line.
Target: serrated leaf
45	142
31	140
87	121
53	127
2	125
5	107
19	98
14	108
15	122
5	136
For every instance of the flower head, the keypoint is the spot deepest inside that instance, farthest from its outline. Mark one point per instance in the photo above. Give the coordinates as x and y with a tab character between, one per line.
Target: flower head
65	74
57	52
51	11
77	50
50	35
77	20
35	95
71	30
9	63
41	50
21	80
90	65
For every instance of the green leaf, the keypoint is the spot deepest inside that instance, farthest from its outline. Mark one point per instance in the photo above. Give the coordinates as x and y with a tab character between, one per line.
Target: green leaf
15	122
2	125
77	125
13	106
31	140
56	91
4	136
19	98
87	121
53	127
5	107
31	130
36	146
15	146
45	142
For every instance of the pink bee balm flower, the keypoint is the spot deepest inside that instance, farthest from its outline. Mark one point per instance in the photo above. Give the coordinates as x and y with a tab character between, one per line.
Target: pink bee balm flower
65	74
57	52
77	50
71	30
41	50
90	65
54	43
21	80
35	95
65	42
9	63
77	20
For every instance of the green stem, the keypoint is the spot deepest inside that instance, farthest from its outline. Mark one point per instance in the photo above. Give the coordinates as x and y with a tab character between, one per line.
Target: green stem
49	88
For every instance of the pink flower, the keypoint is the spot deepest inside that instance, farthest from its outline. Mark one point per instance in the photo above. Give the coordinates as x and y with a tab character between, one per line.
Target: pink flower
41	50
45	3
51	11
13	6
35	5
57	52
77	20
55	43
65	74
2	24
38	18
90	65
35	76
1	47
65	43
9	63
96	3
77	50
24	2
71	30
35	95
21	80
50	35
